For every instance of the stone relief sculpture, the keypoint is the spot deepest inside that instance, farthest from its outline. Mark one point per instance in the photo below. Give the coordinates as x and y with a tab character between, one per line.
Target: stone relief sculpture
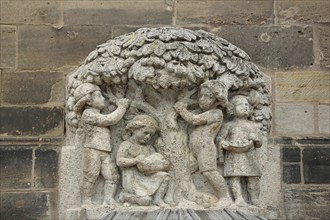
239	138
144	173
97	146
212	95
163	105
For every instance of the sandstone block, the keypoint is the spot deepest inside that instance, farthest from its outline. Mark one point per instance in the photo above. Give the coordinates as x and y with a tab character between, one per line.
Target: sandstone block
307	202
291	173
30	12
120	30
273	47
21	88
306	86
283	140
224	12
291	154
324	119
117	12
8	46
324	44
294	118
46	168
316	162
31	121
48	47
28	205
15	168
303	11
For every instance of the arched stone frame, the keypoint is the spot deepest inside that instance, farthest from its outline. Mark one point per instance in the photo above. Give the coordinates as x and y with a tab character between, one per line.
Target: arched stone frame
156	67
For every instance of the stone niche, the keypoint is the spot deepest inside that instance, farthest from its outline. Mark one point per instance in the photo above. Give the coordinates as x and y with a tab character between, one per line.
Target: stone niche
168	123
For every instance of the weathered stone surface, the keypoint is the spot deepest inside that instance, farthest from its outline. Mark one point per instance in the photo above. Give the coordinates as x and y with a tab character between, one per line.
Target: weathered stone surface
45	168
324	44
291	154
316	162
273	47
30	12
120	30
304	86
117	12
224	12
31	87
49	47
303	11
8	46
171	214
294	118
157	78
15	168
31	121
291	173
28	205
324	116
307	202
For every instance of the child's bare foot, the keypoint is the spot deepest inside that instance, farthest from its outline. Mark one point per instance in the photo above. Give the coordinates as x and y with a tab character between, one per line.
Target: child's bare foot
240	202
225	202
161	204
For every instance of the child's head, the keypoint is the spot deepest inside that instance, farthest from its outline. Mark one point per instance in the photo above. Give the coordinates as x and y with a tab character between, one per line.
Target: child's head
143	127
241	107
212	91
88	94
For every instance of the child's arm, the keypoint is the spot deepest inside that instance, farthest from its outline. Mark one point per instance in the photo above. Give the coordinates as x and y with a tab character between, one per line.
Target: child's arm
189	117
123	160
109	119
256	138
221	141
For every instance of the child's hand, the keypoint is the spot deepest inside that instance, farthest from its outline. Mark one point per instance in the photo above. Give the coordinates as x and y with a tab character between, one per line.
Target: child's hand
252	136
224	145
179	106
140	158
256	139
123	102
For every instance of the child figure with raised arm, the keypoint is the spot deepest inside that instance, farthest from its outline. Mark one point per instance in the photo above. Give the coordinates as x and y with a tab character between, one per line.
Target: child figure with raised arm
97	146
239	138
202	138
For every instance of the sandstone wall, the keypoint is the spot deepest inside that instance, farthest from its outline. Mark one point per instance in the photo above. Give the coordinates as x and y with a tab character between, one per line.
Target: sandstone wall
42	41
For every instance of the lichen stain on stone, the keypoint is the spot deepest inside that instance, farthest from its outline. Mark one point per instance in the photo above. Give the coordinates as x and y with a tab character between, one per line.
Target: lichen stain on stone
290	13
265	37
71	34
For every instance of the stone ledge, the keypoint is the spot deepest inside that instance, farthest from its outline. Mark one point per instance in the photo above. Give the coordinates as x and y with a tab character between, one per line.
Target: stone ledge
224	214
19	141
302	141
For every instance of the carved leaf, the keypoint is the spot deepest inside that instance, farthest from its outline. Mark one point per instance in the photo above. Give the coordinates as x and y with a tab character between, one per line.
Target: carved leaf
205	45
91	56
145	50
154	33
191	46
114	49
172	46
164	37
160	48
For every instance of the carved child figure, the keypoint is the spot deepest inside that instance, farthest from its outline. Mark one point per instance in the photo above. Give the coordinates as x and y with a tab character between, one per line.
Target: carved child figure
207	124
143	170
239	138
97	148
